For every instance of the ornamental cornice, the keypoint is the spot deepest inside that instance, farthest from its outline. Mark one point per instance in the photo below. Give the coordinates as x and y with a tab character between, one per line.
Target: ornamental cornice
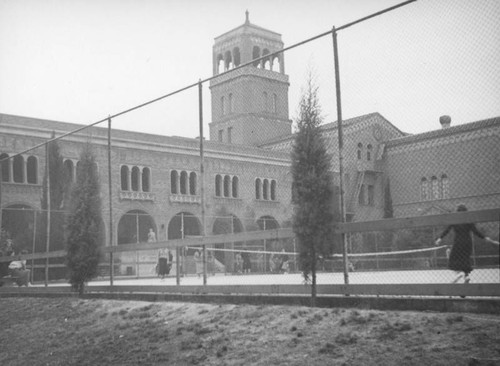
182	198
137	196
443	141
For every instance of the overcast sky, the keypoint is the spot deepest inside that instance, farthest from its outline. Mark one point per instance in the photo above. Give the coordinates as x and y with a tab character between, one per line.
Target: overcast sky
82	60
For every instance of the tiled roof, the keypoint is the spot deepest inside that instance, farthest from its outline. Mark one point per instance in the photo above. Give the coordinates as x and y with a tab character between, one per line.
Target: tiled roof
445	132
43	125
333	126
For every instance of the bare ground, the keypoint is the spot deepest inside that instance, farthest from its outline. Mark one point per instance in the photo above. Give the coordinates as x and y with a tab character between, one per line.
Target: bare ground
71	331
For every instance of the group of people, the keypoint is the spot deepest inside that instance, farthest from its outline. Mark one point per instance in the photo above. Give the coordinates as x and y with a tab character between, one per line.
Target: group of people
165	260
279	263
242	263
459	256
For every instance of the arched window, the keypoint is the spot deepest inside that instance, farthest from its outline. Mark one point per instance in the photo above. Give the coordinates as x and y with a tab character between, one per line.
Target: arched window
220	64
32	170
18	169
146	179
174	178
256	54
69	170
135	178
360	151
192	183
273	190
276	64
78	169
5	167
124	177
445	186
435	187
361	197
236	56
235	187
266	63
265	189
369	152
424	189
229	60
258	188
218	185
227	185
184	182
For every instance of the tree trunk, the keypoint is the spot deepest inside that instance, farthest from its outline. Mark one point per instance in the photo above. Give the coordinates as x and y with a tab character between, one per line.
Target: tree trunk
313	273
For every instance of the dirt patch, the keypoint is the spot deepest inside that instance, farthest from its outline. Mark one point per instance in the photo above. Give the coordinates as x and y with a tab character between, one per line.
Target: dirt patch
69	331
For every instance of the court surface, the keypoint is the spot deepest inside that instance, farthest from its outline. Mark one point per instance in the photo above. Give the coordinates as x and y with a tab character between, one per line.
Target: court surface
489	275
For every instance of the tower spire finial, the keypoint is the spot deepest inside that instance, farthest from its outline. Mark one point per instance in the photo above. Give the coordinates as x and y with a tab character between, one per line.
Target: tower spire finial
247	19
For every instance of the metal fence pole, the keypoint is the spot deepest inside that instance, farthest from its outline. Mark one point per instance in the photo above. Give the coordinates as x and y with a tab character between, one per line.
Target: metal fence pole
202	181
137	242
33	251
111	269
47	241
341	152
1	181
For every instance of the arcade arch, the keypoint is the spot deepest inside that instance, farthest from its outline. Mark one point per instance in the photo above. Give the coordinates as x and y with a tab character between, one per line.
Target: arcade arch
226	224
134	226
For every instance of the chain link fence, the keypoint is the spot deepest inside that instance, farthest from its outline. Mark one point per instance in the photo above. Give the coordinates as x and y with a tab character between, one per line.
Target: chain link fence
235	177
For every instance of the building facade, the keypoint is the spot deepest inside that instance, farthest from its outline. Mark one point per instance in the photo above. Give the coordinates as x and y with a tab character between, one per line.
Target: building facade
156	180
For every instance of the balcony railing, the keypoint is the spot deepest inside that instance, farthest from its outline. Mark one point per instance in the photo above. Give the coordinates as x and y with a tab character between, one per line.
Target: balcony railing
137	196
184	198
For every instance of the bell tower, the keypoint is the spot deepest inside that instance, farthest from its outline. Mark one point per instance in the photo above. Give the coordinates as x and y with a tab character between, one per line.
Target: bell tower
249	105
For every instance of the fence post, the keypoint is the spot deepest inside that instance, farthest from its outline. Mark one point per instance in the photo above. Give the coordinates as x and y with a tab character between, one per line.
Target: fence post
33	251
47	241
202	180
111	270
1	181
341	152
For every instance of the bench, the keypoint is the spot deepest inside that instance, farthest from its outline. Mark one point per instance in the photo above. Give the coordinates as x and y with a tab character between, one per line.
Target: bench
20	279
8	280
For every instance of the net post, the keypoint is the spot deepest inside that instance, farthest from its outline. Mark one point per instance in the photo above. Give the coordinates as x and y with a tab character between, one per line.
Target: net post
341	152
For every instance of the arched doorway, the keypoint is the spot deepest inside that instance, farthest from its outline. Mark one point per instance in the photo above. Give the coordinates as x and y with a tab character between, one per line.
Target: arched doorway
18	222
227	224
184	225
269	223
133	227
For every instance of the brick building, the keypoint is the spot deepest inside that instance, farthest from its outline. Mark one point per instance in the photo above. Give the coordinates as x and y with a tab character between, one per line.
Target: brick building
156	180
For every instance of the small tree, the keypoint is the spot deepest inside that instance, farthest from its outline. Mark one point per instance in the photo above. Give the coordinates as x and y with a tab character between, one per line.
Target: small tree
84	224
312	187
58	185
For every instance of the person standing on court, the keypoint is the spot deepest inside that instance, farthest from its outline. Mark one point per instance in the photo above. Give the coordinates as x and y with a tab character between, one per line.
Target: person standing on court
151	236
163	269
460	259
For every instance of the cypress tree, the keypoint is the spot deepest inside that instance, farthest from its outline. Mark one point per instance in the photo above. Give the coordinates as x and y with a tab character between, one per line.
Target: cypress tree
58	185
84	224
312	187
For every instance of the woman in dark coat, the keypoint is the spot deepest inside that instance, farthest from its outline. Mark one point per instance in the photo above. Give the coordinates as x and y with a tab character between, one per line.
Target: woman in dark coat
461	251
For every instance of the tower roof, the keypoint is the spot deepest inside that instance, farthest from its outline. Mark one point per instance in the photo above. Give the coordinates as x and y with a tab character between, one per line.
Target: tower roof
249	28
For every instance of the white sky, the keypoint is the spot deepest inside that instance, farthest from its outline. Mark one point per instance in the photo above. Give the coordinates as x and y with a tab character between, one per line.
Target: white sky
82	60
